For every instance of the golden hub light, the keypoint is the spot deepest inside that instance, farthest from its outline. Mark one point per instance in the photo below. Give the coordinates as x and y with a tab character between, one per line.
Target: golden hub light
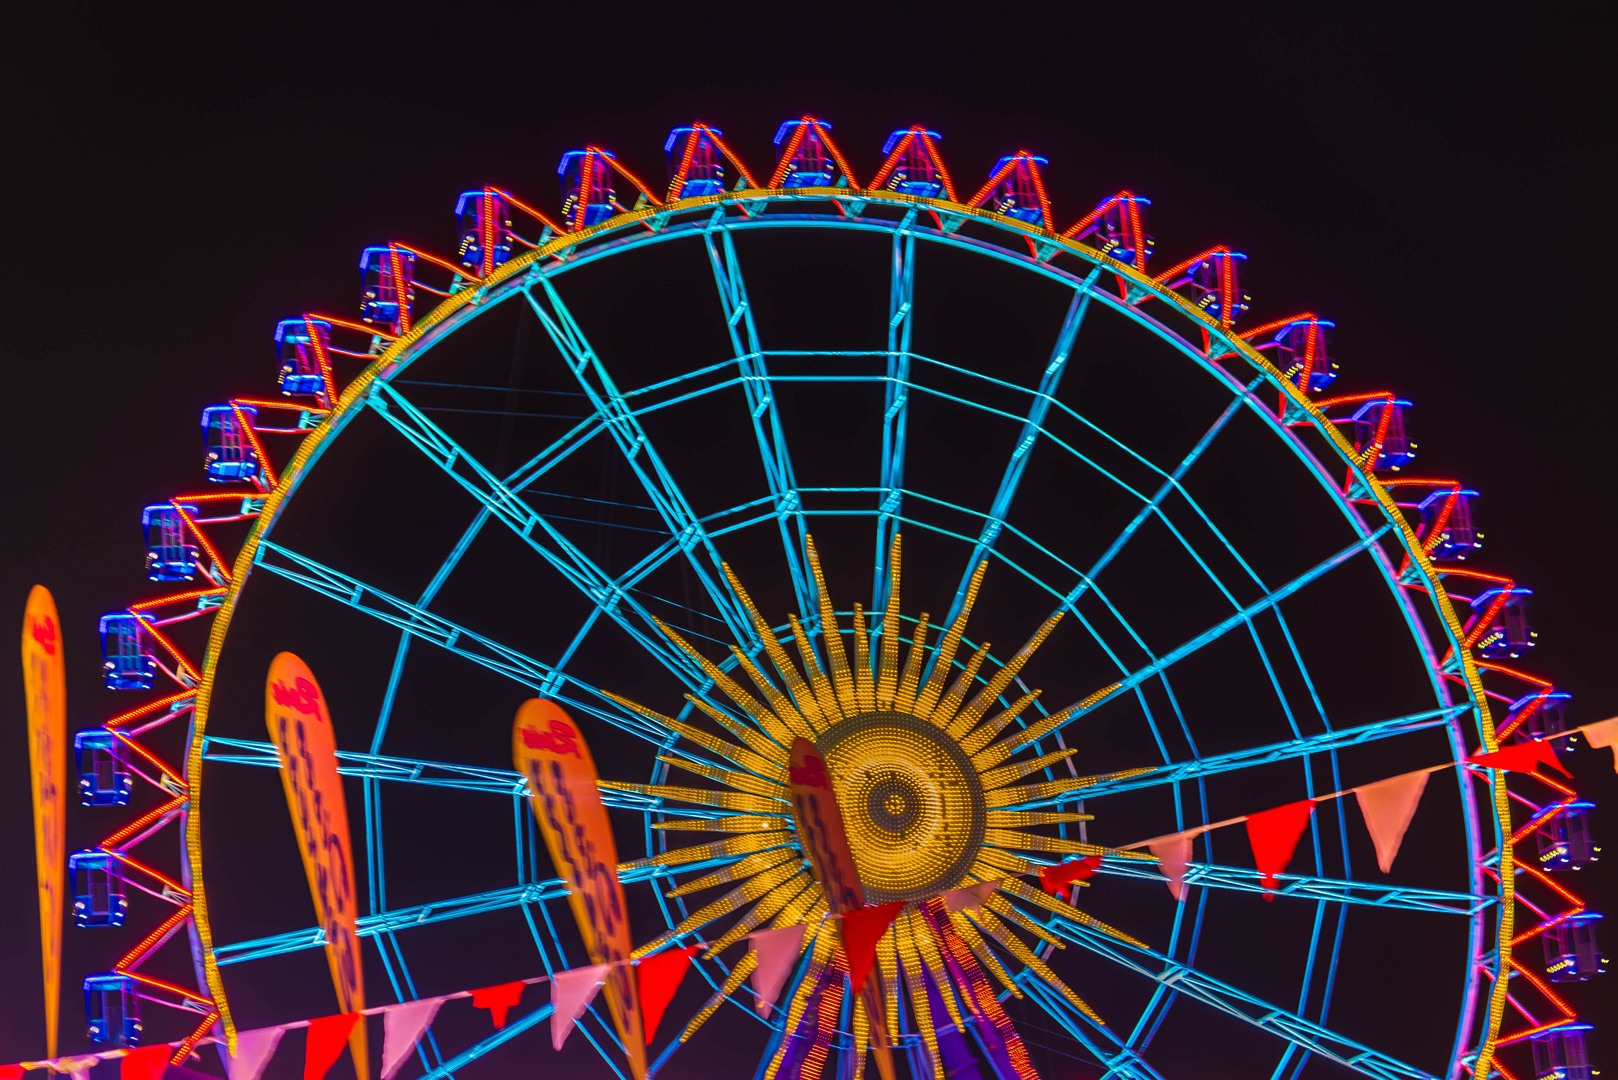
911	802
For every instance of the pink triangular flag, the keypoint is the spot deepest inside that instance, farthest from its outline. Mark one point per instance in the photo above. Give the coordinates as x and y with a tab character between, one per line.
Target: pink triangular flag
1388	806
571	993
971	896
253	1050
777	952
1604	733
1174	853
402	1026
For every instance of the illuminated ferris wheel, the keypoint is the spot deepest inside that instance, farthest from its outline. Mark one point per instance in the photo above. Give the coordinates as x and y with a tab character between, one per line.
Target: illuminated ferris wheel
1045	546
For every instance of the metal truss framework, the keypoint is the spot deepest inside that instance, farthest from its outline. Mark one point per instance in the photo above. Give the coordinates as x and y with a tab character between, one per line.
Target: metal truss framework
1366	501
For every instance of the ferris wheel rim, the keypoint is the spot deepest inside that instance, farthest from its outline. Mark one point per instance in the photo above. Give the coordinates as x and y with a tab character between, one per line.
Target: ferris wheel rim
465	305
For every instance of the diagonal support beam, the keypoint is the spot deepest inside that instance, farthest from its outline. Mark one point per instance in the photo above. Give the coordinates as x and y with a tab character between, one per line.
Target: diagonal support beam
428	626
609	594
1049	381
1237	879
1225	626
639	453
772	445
489	1042
1309	1036
1263	755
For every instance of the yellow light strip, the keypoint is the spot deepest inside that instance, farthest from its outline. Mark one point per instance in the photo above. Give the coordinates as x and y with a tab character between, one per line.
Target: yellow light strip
732	983
779	703
986	697
995	863
819	684
905	699
747	759
1033	963
743	823
767	864
888	681
1012	818
1021	841
836	656
927	946
980	738
911	964
996	778
736	845
864	687
748	703
769	906
778	656
981	950
764	742
1024	891
1011	796
947	646
741	781
944	712
800	997
722	800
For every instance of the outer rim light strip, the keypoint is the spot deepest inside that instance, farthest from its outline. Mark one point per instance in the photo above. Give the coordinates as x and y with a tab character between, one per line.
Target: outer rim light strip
347	405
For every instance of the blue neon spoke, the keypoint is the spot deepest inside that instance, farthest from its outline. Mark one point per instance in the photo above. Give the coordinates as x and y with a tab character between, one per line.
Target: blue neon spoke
1316	1038
1312	888
896	402
638	451
429	626
1049	381
776	459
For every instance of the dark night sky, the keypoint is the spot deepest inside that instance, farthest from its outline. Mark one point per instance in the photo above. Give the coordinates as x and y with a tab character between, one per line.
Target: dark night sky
1440	186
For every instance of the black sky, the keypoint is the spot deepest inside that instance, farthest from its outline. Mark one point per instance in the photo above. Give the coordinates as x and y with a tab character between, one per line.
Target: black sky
1438	184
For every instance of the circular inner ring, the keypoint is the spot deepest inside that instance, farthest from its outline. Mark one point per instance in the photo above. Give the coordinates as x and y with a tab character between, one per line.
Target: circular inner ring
911	803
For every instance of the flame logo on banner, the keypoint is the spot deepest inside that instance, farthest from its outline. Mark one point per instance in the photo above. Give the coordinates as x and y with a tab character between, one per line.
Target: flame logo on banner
46	689
300	724
548	749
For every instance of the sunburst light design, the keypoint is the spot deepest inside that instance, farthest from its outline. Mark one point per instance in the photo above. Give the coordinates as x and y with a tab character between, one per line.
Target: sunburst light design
929	786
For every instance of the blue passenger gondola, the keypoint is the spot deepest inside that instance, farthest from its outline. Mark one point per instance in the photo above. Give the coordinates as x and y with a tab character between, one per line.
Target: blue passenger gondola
693	150
126	661
230	453
113	1009
103	779
300	351
809	163
389	275
170	554
915	173
98	889
1571	954
485	226
588	196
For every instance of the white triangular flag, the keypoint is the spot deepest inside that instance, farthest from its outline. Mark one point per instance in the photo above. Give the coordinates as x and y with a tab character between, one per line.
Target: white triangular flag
970	896
571	993
80	1074
253	1050
1388	806
402	1026
1174	853
777	951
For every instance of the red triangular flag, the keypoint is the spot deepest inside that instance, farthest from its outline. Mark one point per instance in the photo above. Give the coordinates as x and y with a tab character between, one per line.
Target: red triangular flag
1174	854
147	1063
1521	757
498	1000
11	1072
659	977
1387	807
777	951
862	929
1274	835
571	993
325	1041
1056	879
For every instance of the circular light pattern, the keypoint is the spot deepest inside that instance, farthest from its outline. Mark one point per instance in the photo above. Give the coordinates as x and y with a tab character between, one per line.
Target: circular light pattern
911	803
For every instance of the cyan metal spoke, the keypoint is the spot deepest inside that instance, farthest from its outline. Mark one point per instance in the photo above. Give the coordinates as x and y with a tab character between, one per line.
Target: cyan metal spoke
534	529
1032	428
1240	618
641	456
1310	1036
489	1042
751	362
428	626
896	403
1122	1060
1324	742
1332	890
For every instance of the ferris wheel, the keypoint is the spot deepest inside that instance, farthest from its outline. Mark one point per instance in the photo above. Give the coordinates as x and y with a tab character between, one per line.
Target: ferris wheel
1048	547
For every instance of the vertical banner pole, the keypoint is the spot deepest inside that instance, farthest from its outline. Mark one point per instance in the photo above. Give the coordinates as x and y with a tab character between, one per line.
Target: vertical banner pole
45	684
